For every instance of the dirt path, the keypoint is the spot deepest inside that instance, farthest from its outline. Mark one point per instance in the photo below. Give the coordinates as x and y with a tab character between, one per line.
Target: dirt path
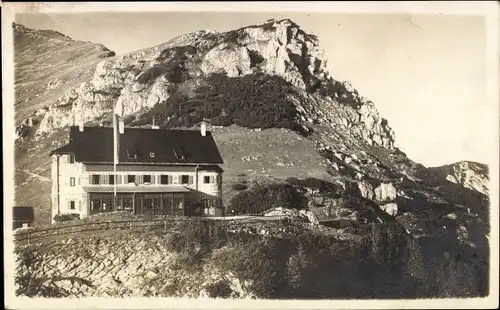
42	178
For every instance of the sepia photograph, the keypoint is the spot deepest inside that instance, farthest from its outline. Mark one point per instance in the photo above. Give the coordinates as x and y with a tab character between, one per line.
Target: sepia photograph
259	155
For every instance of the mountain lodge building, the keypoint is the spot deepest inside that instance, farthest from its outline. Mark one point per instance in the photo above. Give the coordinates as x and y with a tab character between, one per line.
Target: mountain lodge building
141	170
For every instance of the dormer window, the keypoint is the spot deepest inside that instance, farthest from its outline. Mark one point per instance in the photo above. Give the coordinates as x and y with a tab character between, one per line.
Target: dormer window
131	154
151	154
179	153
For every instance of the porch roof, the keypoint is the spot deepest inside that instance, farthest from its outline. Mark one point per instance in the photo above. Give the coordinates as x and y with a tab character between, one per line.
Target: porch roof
135	189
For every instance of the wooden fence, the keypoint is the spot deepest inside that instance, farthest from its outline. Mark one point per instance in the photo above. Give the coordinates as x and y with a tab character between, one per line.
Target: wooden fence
34	235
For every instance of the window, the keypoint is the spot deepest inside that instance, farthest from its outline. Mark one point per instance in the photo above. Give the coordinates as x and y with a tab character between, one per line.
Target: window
111	179
148	203
71	158
130	178
185	179
206	179
151	154
71	181
95	204
72	205
209	206
147	178
96	179
164	179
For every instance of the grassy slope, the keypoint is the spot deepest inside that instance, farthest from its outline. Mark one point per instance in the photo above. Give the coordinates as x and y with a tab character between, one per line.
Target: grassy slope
42	57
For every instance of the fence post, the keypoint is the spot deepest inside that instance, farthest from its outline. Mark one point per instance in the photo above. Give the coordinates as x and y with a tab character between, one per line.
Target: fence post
165	225
29	236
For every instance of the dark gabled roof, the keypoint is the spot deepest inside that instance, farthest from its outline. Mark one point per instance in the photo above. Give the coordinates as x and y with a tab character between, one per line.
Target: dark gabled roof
23	213
95	145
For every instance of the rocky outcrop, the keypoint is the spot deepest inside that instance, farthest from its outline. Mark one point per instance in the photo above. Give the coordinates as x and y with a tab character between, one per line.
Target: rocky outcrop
138	81
470	175
103	267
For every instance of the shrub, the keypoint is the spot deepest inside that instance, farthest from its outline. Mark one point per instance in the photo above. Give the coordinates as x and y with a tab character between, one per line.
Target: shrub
58	218
254	101
253	261
219	289
239	187
292	181
265	197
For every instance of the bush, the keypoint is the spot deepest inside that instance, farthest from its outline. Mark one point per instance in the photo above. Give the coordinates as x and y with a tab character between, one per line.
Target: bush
265	197
58	218
219	289
254	101
239	187
250	260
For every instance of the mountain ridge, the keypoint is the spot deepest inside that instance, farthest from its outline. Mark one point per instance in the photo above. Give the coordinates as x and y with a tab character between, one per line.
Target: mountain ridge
45	61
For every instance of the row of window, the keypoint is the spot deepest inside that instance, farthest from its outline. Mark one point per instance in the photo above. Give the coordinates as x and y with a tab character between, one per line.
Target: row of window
209	205
146	178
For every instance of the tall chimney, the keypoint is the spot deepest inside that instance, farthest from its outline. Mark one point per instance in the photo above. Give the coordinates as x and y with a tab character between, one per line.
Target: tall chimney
203	129
80	126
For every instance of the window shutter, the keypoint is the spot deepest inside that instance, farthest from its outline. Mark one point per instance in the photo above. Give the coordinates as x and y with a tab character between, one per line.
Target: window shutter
212	179
170	179
118	179
140	179
153	179
105	179
190	179
175	179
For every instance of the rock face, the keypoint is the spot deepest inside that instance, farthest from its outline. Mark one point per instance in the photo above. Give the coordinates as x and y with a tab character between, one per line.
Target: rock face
140	80
117	269
469	175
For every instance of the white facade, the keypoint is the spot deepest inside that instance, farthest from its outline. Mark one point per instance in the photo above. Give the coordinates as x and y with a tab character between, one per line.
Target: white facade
70	177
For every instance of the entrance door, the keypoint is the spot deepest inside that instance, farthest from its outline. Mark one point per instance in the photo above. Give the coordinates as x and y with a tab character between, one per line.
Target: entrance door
127	204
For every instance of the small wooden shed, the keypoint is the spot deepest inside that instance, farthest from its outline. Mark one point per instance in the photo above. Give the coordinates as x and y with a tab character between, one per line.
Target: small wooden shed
22	216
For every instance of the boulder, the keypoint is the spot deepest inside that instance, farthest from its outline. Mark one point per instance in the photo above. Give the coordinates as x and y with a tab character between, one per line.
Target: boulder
385	192
390	208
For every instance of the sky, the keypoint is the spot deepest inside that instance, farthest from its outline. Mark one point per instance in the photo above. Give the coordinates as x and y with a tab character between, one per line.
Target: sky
426	74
